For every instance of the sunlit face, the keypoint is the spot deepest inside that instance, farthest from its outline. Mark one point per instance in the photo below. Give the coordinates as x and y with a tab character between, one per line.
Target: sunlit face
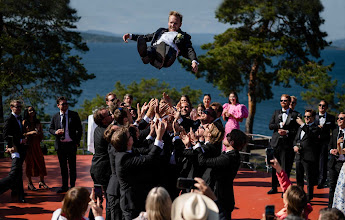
128	101
185	109
308	118
17	108
340	120
183	99
110	99
322	107
208	128
284	102
107	117
232	99
206	101
200	110
174	23
293	103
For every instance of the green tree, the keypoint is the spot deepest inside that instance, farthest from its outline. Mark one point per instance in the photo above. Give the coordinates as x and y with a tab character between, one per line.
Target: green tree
36	61
269	43
142	92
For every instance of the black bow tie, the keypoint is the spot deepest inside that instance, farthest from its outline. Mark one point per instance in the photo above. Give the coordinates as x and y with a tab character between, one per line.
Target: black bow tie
284	111
322	116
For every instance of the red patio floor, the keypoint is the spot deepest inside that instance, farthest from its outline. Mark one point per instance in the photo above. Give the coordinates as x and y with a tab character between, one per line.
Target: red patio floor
250	193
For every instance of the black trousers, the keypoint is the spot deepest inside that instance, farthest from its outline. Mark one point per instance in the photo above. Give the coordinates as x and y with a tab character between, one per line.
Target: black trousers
9	181
67	156
323	162
113	207
333	178
285	155
308	167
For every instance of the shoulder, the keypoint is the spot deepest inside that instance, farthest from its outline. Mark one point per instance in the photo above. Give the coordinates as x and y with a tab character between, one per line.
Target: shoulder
161	30
56	214
226	105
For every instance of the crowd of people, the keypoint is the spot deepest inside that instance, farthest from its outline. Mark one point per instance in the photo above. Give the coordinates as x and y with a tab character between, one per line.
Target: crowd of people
140	153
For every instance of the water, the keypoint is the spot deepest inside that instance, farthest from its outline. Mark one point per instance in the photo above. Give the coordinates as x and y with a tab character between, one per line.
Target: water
112	62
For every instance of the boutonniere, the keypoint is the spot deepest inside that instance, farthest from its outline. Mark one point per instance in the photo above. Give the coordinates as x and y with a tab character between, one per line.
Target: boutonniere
180	36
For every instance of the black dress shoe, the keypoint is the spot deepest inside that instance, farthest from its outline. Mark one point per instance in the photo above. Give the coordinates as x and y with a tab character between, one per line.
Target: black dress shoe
272	191
141	46
321	186
62	190
21	199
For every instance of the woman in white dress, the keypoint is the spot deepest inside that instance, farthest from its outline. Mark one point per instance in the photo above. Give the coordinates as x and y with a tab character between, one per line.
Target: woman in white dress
339	194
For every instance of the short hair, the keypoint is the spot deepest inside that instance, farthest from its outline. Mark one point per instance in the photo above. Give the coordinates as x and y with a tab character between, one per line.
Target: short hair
331	214
98	117
119	115
158	204
239	138
75	203
128	95
293	97
61	98
296	200
110	93
286	96
219	107
235	94
311	111
14	102
216	134
177	14
326	103
120	138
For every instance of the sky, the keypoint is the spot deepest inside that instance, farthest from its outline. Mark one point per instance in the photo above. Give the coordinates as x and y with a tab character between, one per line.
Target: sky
139	16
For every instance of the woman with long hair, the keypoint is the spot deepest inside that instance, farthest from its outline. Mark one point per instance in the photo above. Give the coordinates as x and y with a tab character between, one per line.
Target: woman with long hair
157	206
34	160
233	113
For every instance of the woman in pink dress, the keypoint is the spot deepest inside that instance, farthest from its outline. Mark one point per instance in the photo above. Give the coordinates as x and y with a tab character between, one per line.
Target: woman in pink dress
233	113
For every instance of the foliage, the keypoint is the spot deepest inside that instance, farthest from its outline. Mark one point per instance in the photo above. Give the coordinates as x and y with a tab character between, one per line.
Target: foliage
37	41
142	92
269	43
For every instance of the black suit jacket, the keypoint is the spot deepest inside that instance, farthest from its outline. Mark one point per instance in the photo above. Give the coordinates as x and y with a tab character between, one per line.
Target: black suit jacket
100	166
328	127
290	125
225	168
333	145
12	128
184	44
131	172
74	127
310	146
113	185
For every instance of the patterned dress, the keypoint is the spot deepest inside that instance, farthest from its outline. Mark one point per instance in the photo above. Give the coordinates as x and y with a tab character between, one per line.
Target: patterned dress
339	194
238	111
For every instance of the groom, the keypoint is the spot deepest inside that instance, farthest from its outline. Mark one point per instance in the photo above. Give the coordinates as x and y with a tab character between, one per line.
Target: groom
166	44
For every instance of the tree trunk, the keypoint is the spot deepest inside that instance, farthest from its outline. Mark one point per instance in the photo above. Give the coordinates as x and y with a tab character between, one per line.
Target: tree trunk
252	97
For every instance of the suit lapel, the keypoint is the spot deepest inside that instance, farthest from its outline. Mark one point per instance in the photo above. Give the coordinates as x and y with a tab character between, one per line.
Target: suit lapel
317	122
288	119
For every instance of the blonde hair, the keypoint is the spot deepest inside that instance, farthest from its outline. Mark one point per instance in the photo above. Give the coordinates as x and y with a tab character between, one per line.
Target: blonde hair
14	102
216	134
296	200
158	204
177	14
75	203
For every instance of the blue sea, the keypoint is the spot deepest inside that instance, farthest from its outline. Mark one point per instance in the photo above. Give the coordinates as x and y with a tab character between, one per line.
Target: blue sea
112	62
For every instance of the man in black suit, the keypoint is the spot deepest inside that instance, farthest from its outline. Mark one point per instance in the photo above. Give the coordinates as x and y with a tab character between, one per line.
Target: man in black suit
225	167
284	126
66	127
336	144
166	44
8	182
306	147
326	123
13	134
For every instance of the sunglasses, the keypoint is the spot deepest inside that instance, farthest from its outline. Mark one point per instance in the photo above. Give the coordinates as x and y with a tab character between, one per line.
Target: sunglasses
112	100
307	116
284	100
18	106
322	105
64	104
340	118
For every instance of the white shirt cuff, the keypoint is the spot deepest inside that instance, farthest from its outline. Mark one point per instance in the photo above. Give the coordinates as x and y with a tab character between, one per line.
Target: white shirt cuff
130	36
175	138
99	218
194	61
136	124
14	155
197	146
302	125
147	119
149	137
159	143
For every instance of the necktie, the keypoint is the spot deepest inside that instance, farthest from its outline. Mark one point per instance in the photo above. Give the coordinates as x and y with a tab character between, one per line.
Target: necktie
63	125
